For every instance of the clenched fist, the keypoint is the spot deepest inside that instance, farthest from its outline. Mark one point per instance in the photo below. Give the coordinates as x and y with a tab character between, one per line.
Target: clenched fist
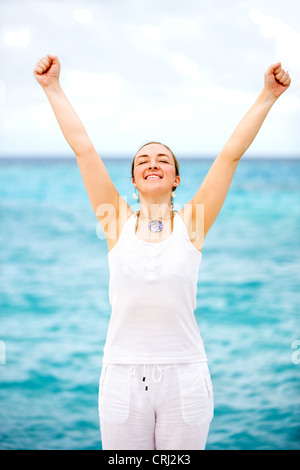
47	70
277	80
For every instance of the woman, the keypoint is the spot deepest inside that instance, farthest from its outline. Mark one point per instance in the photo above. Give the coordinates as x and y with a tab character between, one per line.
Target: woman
155	388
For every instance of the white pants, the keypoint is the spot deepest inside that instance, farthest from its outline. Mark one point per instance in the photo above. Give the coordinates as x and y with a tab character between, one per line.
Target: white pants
162	407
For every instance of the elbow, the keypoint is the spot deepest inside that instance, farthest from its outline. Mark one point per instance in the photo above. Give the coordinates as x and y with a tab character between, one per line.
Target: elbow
236	150
84	150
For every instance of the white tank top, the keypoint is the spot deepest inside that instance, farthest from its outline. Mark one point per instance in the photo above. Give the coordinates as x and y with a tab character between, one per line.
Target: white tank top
152	291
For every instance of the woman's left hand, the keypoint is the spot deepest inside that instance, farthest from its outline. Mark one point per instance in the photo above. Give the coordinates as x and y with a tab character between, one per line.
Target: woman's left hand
277	80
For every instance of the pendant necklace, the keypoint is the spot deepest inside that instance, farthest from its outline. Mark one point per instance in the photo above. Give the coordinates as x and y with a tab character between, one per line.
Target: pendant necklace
156	225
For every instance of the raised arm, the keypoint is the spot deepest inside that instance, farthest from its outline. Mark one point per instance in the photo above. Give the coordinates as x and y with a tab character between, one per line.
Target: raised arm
102	193
213	190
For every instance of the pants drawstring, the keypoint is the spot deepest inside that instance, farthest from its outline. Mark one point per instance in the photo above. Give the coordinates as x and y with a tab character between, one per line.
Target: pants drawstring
155	368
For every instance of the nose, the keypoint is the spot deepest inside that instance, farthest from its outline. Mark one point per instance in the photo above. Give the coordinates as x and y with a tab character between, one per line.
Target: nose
153	166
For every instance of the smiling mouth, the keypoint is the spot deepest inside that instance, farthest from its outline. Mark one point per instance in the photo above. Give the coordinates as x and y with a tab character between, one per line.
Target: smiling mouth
153	177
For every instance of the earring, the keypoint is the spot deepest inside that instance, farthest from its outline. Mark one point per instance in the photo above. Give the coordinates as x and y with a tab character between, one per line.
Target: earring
135	196
173	193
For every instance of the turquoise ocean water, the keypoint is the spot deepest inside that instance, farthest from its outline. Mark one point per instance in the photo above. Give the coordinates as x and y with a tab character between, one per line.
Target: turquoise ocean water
54	307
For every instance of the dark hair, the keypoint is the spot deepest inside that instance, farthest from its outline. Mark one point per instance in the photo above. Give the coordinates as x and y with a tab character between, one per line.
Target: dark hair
149	143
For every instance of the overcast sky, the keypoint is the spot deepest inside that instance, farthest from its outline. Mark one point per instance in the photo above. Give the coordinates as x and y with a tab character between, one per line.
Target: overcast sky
183	72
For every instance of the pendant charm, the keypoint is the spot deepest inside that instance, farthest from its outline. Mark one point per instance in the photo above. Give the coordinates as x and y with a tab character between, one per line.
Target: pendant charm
156	226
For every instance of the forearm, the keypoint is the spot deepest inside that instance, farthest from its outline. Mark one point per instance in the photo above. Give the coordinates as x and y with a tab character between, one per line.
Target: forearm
248	128
69	122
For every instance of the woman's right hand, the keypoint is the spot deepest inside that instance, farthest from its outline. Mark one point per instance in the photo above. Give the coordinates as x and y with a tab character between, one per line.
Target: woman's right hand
47	70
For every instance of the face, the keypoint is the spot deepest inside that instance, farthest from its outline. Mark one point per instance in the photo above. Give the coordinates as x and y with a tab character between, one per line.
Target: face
154	170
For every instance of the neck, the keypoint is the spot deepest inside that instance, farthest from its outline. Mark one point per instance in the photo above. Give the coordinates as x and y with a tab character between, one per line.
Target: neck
155	210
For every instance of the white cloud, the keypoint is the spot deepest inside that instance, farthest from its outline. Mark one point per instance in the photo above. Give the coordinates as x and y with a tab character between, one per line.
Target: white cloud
150	32
17	38
96	86
287	39
83	16
184	65
172	27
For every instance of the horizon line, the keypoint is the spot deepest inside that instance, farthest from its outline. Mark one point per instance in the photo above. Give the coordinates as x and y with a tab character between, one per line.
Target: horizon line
72	157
